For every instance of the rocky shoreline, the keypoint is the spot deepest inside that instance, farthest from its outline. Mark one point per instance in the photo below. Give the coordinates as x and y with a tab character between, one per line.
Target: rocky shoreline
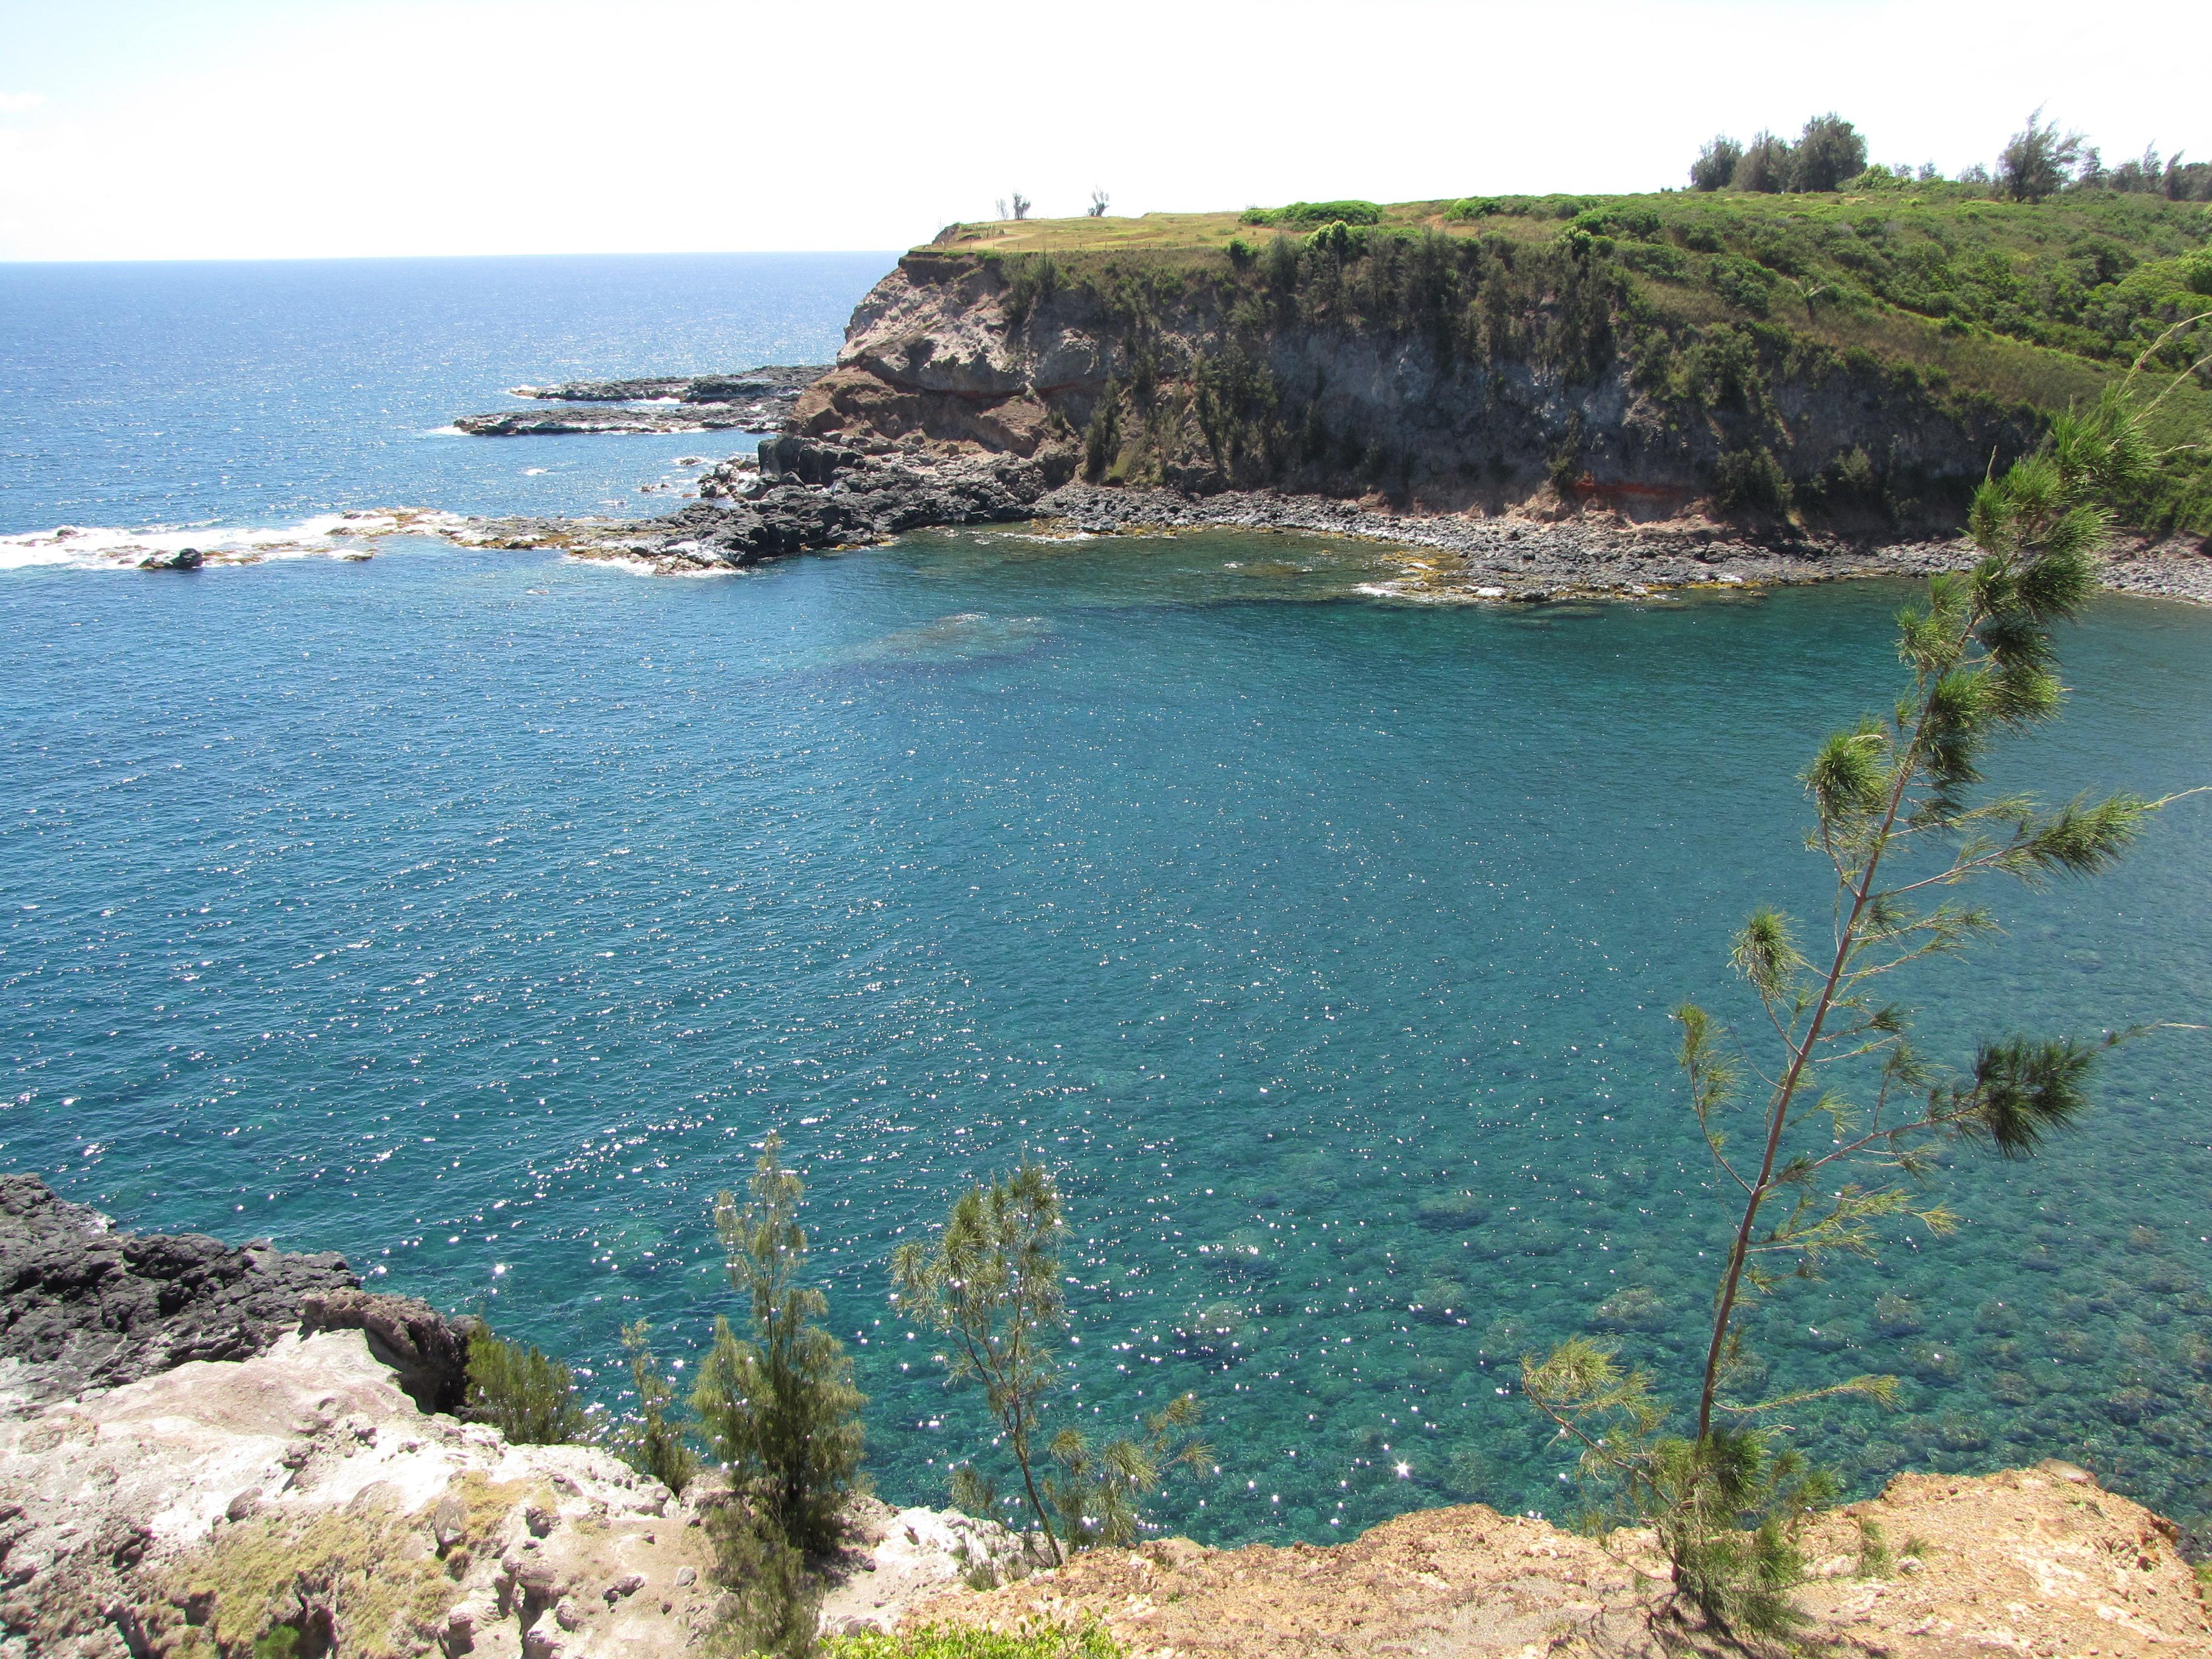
805	494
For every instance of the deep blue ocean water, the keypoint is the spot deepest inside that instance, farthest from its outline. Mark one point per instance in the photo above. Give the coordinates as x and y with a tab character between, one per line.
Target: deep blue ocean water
476	913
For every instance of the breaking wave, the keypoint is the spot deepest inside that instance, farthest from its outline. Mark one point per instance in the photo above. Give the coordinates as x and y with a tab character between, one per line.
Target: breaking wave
329	535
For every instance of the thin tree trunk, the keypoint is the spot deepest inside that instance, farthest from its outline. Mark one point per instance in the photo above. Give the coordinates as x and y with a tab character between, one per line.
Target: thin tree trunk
1801	1054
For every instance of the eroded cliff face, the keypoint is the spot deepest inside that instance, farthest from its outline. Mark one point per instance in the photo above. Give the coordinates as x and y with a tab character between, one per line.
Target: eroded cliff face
1437	376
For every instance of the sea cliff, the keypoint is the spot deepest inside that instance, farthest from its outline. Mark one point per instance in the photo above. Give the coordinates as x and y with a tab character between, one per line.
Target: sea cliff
1562	410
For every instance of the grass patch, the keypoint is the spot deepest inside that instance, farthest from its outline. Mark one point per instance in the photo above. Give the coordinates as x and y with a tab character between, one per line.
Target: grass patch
367	1580
1032	1641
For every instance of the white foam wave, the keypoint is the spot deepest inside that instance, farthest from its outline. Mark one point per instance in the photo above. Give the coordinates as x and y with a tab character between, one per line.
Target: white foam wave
328	534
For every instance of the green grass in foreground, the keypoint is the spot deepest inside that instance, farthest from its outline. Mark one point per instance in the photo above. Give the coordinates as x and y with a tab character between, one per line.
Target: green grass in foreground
1039	1641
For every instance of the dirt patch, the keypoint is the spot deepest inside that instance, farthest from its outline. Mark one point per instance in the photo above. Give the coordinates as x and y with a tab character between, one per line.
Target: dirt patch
2035	1562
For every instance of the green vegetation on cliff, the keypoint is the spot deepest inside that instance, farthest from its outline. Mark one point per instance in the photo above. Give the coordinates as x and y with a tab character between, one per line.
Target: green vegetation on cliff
1728	312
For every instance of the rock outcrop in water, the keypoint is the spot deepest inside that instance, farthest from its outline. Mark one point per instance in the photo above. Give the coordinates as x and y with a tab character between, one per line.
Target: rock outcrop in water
800	495
757	400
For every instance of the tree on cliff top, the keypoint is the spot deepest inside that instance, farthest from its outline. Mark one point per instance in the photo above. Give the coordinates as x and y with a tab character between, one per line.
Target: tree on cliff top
779	1406
1851	1116
990	1284
2038	159
1715	167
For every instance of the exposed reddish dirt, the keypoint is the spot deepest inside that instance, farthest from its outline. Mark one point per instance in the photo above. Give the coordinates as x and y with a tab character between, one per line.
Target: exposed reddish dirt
2039	1562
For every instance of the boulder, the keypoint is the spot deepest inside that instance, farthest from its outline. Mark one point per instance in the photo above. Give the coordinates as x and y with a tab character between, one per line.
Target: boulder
429	1351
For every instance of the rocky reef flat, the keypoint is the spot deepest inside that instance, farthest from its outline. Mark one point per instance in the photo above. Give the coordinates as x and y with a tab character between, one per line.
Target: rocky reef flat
755	400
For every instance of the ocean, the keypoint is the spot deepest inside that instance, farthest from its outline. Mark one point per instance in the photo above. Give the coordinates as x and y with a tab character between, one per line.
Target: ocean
477	913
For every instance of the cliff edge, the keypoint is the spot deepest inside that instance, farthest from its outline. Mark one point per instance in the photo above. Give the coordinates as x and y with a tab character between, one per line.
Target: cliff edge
2035	1562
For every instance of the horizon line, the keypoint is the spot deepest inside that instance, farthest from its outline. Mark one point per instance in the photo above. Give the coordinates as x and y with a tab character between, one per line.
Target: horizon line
364	258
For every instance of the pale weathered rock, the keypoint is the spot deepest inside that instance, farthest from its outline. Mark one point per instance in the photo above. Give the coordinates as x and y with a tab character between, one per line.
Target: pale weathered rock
119	1512
207	1452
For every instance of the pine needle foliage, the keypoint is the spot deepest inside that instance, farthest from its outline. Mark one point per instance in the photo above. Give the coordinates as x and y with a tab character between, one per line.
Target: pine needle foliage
1849	1116
527	1396
769	1606
1097	1489
989	1284
653	1442
778	1406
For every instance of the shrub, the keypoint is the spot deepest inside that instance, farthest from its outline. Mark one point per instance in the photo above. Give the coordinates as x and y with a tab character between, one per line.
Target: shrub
779	1407
1564	466
1618	219
1750	478
1337	240
1474	207
1655	260
770	1605
1745	286
1315	213
1715	167
1102	438
653	1445
1030	279
527	1397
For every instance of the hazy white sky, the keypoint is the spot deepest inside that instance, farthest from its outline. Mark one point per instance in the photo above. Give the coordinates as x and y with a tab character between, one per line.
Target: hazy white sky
194	129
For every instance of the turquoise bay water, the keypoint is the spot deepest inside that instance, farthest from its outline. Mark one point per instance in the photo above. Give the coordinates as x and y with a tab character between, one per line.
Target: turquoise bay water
476	915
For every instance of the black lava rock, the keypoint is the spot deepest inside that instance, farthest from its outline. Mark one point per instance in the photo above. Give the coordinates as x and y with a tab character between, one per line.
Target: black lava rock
86	1307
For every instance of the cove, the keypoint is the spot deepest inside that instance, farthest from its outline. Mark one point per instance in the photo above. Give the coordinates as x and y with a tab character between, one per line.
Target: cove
475	915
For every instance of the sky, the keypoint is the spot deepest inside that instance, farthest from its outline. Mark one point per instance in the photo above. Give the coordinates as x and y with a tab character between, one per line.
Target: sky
260	129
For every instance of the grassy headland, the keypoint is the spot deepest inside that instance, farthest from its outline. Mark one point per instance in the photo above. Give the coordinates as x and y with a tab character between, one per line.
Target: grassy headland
2001	312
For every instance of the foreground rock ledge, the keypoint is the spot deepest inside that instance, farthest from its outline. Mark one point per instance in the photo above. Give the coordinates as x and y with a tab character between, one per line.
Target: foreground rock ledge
2039	1562
137	1521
